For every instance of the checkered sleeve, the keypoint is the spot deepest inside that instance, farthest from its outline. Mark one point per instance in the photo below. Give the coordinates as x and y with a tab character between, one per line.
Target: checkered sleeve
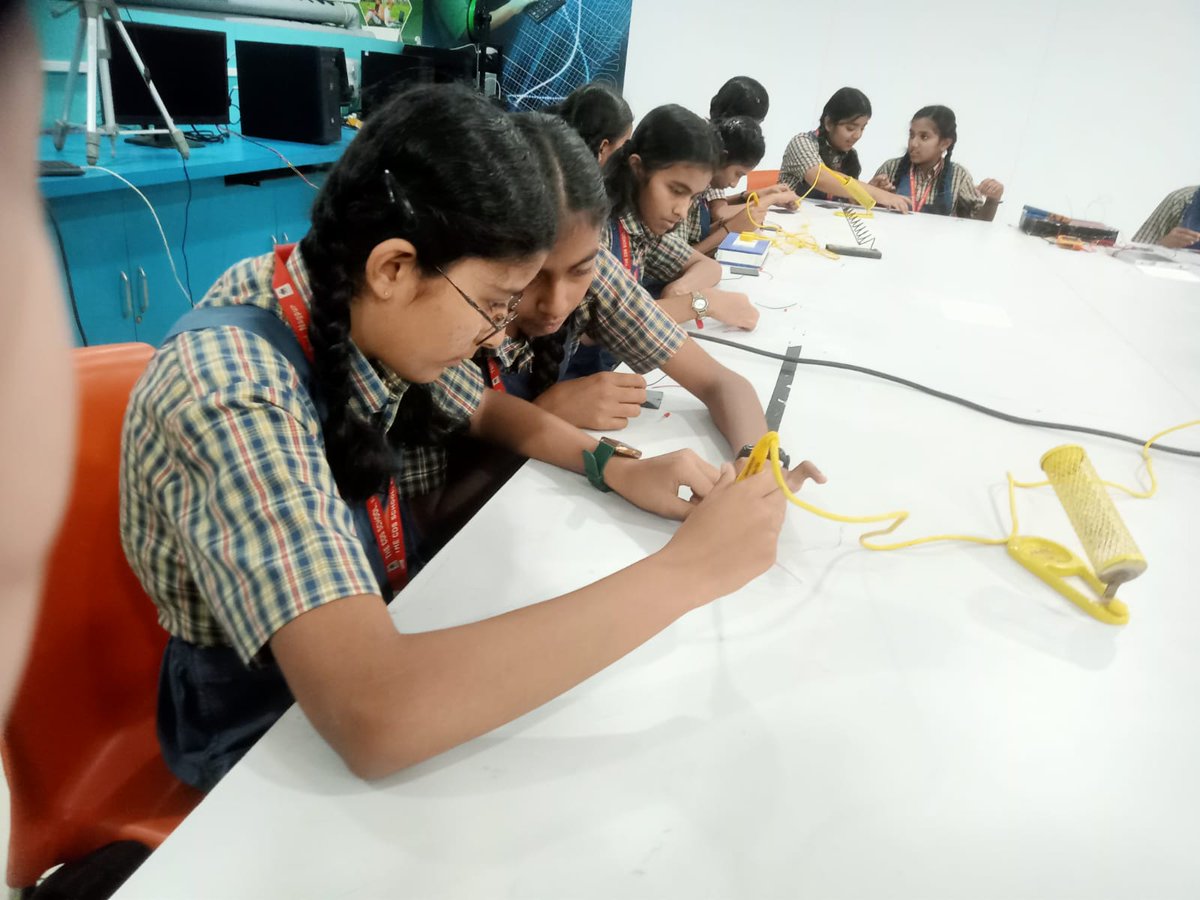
802	153
667	257
967	198
265	534
889	169
625	319
1166	216
690	228
456	395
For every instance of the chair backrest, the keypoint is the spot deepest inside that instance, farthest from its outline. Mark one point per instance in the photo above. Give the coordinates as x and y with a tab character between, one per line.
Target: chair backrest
761	178
93	665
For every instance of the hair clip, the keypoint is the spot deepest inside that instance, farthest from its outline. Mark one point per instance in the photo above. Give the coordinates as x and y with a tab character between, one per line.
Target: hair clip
396	195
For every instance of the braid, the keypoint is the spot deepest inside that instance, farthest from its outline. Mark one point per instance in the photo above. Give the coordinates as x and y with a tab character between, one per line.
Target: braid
356	449
549	350
945	204
904	167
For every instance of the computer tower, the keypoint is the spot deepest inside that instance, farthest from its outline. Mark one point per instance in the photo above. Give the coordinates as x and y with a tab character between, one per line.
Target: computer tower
290	93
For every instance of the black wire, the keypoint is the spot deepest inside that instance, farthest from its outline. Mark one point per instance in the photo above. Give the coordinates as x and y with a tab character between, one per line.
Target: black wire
66	267
942	395
187	212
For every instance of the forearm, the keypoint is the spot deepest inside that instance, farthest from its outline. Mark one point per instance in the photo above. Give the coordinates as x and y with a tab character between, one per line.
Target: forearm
735	410
530	431
709	244
449	686
987	212
701	273
506	12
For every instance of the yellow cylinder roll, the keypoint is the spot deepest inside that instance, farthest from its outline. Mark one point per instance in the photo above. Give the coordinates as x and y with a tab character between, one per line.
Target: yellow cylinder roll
1109	545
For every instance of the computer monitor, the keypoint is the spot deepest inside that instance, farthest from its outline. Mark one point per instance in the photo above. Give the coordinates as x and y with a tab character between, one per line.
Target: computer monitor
189	67
383	74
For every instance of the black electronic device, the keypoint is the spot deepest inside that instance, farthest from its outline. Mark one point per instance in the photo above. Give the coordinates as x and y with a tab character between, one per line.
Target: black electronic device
541	10
51	167
384	74
189	69
290	93
864	252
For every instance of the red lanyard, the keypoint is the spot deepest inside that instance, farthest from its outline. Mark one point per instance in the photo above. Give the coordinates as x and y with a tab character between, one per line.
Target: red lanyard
626	248
493	371
919	202
387	525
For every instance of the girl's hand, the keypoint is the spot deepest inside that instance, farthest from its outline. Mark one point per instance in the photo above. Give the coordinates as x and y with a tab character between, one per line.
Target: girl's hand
888	200
991	189
1180	237
653	483
780	195
732	309
732	536
605	401
748	219
883	182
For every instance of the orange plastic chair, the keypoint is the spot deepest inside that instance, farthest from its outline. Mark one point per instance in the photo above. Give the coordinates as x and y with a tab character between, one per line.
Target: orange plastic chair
761	178
80	751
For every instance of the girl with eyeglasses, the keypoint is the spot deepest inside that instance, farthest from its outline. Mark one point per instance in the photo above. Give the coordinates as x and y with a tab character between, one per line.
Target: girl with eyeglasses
263	478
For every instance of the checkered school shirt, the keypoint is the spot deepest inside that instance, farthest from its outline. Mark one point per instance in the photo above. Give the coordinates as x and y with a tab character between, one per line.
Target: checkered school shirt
616	313
230	516
660	258
802	153
1166	216
967	199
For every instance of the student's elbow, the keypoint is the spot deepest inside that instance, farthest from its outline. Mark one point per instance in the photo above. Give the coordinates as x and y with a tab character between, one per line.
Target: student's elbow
372	742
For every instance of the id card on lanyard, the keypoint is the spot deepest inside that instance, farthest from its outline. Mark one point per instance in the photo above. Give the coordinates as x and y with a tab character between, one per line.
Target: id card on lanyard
386	523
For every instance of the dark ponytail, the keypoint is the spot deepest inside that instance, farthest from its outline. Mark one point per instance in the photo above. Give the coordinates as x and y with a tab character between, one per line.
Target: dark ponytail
580	191
667	136
598	113
946	125
422	169
742	142
740	96
845	104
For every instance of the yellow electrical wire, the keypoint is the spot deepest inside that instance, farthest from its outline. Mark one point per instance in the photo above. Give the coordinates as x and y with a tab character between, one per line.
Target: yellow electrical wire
767	449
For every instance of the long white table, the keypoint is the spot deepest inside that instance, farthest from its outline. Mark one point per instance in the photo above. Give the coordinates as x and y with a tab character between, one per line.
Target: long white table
925	723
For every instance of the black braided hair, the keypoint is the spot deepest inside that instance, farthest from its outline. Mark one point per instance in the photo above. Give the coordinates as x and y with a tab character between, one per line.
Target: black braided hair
740	96
946	126
424	169
667	136
598	113
742	142
845	104
580	192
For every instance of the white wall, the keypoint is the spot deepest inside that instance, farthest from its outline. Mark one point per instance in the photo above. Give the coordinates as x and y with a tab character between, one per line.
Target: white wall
1091	109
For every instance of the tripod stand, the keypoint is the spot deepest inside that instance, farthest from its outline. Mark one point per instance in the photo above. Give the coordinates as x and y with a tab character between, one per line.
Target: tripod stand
92	34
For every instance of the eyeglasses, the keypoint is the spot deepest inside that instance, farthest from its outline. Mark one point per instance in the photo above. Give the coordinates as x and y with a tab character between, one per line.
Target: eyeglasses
497	322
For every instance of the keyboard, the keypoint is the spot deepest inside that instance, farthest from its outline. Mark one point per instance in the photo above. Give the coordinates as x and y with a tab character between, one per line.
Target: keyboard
47	167
544	9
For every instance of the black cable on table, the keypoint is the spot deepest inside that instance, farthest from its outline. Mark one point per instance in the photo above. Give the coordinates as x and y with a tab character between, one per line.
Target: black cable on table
943	395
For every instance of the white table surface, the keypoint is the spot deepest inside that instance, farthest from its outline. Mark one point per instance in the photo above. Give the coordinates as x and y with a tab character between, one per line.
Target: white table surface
927	723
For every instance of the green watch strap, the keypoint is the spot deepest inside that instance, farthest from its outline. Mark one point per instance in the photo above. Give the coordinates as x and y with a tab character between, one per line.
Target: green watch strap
594	462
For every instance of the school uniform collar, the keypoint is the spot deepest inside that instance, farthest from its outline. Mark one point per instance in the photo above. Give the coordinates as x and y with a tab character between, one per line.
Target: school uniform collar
376	390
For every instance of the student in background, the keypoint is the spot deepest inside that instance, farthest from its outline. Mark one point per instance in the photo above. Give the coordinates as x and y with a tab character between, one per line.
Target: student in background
832	144
713	217
601	117
268	534
930	179
652	181
740	96
37	391
1175	222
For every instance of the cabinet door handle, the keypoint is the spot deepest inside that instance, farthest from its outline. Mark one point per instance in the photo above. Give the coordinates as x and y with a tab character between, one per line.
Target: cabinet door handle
273	241
126	297
286	239
145	289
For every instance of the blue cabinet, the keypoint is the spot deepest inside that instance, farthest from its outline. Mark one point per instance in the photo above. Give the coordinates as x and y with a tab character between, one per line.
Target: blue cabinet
239	202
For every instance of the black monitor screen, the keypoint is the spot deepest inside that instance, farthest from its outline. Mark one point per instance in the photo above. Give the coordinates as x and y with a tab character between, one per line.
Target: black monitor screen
383	74
189	68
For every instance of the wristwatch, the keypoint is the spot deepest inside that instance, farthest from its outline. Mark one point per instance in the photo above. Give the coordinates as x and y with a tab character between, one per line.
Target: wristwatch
784	459
594	461
699	305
